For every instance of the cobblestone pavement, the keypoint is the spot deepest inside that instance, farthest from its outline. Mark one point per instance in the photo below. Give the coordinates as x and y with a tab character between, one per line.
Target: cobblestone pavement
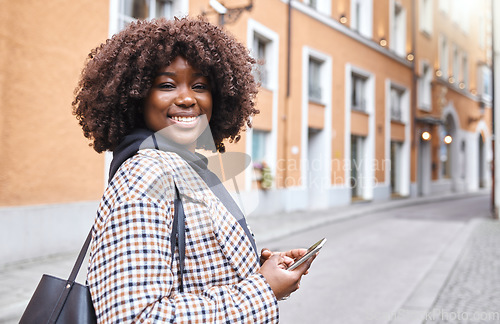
472	291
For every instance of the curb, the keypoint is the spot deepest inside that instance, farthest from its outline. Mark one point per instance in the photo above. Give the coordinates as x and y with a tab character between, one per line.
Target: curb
271	227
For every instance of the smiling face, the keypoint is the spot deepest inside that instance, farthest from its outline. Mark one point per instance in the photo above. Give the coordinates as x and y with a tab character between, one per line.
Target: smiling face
179	103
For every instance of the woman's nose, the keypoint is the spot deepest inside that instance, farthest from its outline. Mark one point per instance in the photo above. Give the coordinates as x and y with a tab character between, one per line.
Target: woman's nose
185	98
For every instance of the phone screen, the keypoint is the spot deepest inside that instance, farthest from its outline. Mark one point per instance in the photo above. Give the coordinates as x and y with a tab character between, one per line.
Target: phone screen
313	249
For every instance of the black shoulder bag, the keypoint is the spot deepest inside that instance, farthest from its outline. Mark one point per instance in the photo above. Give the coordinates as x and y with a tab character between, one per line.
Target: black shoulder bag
67	302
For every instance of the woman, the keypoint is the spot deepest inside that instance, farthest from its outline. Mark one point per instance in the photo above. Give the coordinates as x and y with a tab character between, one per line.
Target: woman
147	94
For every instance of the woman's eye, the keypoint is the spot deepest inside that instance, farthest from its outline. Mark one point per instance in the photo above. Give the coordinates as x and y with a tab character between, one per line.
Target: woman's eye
200	86
166	86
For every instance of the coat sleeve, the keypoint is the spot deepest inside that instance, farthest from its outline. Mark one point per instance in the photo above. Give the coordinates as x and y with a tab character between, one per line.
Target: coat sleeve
131	280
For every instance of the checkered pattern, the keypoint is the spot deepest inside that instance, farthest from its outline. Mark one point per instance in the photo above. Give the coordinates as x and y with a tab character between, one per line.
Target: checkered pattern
132	275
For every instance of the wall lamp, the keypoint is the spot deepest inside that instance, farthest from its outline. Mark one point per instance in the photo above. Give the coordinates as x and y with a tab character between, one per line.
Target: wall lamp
343	19
439	73
383	42
410	57
426	136
447	139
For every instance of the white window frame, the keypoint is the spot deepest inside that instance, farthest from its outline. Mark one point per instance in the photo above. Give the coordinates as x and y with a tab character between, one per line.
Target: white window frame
180	8
404	175
323	141
443	56
364	23
397	41
257	29
425	86
323	6
465	69
369	143
456	62
426	16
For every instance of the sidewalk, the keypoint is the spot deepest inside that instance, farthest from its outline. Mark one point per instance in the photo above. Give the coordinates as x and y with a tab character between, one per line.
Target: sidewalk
463	286
18	281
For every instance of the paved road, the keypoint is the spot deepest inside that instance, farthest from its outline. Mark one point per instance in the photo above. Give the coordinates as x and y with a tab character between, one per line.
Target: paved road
371	265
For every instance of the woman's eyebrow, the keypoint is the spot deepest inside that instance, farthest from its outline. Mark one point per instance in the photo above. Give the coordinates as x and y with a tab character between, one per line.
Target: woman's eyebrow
197	74
167	73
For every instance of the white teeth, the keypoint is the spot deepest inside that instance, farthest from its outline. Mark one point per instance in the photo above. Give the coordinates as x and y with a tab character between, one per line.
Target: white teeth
184	119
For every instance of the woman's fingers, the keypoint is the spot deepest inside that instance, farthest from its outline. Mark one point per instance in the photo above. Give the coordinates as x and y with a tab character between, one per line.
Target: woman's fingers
295	253
283	282
264	255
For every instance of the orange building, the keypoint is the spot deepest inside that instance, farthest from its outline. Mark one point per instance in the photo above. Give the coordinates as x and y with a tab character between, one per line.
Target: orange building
360	100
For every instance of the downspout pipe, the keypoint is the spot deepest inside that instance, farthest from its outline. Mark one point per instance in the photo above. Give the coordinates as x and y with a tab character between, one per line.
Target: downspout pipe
414	86
494	207
288	86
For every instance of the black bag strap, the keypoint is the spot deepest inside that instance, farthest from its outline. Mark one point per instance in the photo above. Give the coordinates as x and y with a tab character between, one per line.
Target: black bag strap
178	236
178	229
71	280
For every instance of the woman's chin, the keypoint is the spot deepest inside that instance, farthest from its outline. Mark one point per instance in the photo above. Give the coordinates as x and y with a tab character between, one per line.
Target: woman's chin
182	136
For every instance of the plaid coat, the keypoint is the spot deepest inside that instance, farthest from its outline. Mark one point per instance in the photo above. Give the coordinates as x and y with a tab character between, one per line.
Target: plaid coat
132	275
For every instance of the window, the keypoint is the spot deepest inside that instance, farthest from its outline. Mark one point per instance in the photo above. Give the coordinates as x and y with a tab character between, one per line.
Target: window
362	17
261	50
323	6
424	90
485	89
465	71
358	93
398	33
444	6
131	10
426	16
443	56
396	103
263	44
482	31
315	92
456	63
259	145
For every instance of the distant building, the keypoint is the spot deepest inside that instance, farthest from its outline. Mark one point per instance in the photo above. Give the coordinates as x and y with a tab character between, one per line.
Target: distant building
360	100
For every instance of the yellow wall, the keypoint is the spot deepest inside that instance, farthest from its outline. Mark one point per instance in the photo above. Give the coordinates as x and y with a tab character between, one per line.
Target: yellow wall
43	155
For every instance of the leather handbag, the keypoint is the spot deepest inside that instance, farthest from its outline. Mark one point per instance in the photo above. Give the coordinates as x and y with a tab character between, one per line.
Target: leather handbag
62	301
59	301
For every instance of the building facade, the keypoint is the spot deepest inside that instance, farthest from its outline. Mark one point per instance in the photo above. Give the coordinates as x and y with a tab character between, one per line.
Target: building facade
360	100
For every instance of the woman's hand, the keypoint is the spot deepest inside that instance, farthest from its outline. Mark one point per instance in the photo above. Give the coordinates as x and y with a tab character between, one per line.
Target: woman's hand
283	282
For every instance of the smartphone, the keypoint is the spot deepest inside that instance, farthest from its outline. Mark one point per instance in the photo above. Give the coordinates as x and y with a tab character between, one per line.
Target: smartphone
310	252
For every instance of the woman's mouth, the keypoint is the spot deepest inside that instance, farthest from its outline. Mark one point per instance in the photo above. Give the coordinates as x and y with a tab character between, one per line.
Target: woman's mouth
184	120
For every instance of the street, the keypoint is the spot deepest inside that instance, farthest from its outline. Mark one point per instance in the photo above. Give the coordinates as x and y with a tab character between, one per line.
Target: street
371	264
